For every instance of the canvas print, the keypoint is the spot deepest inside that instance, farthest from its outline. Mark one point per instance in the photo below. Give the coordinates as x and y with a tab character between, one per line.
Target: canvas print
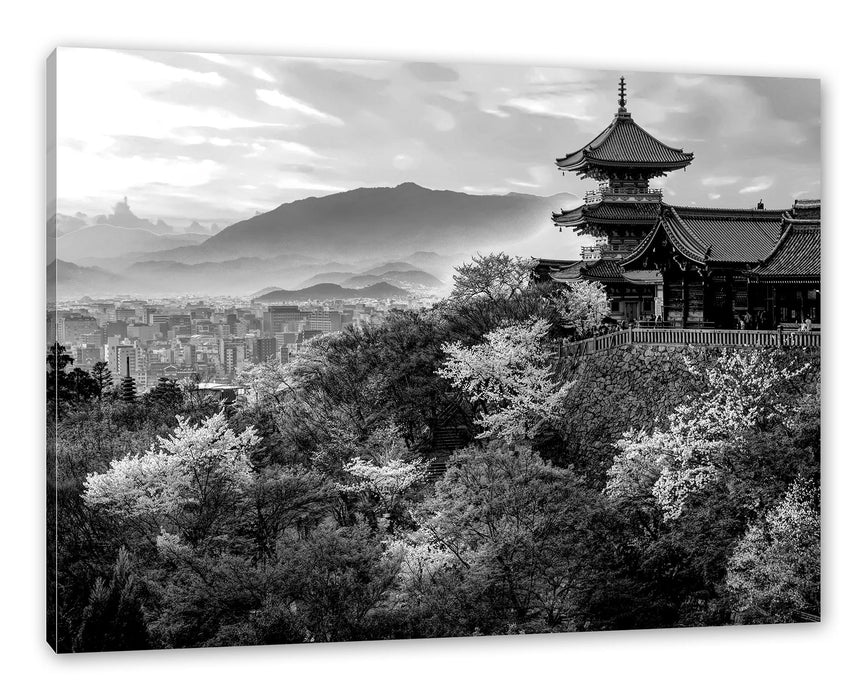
345	350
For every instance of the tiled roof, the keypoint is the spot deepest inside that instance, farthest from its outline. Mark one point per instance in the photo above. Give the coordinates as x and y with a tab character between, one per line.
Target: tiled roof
723	235
605	212
606	270
542	268
706	235
624	143
796	257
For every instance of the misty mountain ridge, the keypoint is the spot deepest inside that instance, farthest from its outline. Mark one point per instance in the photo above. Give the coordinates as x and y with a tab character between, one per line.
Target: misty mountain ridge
290	246
411	278
68	280
108	236
326	292
402	220
111	241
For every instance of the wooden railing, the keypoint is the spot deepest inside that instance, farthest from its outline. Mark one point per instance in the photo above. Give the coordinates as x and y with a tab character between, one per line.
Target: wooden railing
718	337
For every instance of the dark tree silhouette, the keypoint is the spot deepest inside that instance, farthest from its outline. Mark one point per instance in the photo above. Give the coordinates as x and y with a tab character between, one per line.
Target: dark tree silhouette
102	376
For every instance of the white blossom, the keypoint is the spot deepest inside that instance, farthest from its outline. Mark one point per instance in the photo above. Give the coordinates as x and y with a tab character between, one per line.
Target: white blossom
511	377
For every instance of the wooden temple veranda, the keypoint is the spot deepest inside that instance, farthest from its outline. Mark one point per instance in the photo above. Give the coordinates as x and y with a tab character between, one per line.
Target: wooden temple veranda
689	267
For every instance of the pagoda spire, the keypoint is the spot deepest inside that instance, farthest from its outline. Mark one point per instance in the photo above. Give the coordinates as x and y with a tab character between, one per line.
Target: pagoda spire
622	109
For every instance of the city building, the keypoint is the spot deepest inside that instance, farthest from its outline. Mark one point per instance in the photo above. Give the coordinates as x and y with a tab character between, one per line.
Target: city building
74	326
264	349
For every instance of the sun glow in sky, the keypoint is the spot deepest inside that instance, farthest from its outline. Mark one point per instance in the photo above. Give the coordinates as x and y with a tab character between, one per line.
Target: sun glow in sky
215	137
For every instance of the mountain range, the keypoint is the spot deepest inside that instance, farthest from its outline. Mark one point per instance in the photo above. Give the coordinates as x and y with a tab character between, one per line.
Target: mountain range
401	220
67	280
100	241
380	290
319	239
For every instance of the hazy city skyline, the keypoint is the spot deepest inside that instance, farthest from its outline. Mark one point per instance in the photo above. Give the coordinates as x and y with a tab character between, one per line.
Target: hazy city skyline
216	137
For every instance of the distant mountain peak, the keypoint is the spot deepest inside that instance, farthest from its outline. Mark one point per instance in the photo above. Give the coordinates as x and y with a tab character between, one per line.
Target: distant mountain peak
400	220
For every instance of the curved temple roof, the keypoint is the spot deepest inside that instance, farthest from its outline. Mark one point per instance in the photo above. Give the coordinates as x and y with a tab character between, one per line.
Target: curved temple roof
705	235
604	270
607	212
624	144
797	256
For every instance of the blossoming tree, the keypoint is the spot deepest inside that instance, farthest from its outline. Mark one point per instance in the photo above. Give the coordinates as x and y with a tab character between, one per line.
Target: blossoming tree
510	378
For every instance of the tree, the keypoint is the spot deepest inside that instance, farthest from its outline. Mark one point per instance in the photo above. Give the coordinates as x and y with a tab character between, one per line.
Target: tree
102	376
339	577
387	475
688	490
497	276
748	394
167	394
517	529
774	573
66	385
191	487
582	305
386	481
509	376
113	619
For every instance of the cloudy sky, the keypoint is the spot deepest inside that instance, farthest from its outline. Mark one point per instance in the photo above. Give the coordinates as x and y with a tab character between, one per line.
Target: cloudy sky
215	137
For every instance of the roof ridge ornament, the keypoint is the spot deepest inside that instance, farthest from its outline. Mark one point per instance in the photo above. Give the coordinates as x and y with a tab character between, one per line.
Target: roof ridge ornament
622	109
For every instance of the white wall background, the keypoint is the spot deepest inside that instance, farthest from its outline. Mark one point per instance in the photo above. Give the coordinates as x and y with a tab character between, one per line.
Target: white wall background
791	39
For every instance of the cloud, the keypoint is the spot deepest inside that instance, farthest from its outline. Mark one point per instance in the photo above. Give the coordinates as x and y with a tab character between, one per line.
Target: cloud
304	185
546	107
471	189
403	161
262	74
432	72
440	119
720	180
299	149
759	184
275	98
523	183
238	126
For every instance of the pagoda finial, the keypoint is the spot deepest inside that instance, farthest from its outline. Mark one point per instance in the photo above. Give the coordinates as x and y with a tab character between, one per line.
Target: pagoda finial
622	94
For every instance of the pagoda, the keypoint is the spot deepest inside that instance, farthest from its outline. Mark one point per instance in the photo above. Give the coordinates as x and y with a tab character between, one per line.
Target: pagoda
623	209
678	265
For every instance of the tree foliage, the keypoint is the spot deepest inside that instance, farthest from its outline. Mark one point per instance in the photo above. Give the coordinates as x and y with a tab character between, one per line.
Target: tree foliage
189	486
509	377
582	305
492	277
299	512
774	573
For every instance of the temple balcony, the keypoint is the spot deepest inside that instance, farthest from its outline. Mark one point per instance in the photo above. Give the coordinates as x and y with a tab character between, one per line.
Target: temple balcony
624	194
605	250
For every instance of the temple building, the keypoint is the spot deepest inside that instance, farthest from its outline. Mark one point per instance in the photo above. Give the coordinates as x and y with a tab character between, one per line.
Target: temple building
683	266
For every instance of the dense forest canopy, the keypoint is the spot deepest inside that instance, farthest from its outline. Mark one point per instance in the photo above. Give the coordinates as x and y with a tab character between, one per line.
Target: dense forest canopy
303	511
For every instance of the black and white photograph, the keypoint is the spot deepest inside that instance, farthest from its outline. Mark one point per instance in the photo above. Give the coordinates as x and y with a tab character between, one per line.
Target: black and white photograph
352	350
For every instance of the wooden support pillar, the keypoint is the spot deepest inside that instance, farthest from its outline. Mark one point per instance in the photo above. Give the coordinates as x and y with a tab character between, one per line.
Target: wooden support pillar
685	296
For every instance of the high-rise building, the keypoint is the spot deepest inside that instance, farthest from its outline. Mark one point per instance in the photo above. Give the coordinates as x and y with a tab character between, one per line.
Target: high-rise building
264	349
96	337
117	356
116	328
279	319
73	326
142	332
320	320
